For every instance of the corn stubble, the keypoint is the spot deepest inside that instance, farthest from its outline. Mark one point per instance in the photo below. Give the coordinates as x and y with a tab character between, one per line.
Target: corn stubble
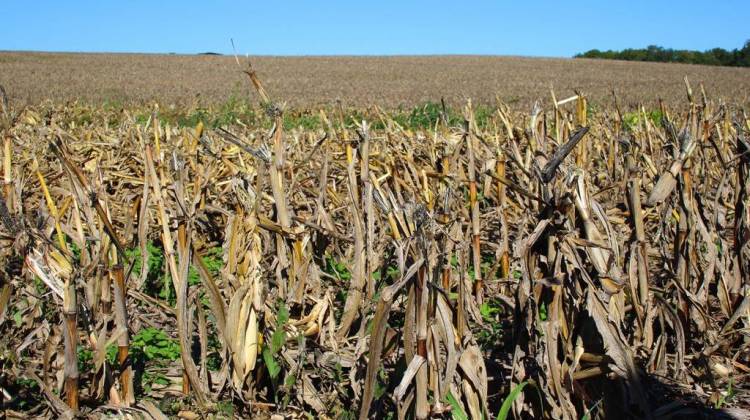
618	258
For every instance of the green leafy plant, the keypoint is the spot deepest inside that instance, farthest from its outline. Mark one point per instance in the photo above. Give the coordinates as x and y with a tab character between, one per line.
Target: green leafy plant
457	412
159	282
587	414
508	402
726	396
151	344
304	120
151	347
277	341
490	336
391	273
337	269
483	115
213	259
488	311
153	378
634	119
155	260
225	409
28	394
85	356
543	311
155	344
73	248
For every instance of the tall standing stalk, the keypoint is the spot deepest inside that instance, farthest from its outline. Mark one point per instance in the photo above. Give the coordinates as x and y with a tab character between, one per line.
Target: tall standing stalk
367	207
742	207
581	121
283	216
421	299
474	204
640	249
6	121
682	243
52	209
70	327
7	174
179	279
121	320
359	282
501	192
105	288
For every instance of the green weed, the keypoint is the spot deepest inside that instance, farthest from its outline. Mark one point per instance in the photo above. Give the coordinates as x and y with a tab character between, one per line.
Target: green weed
278	338
631	120
457	412
726	396
508	402
155	261
337	269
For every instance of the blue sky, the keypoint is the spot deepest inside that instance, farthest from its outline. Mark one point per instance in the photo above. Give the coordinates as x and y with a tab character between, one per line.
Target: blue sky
297	27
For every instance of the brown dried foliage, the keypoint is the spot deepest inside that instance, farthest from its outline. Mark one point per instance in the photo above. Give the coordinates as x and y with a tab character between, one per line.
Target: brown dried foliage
617	259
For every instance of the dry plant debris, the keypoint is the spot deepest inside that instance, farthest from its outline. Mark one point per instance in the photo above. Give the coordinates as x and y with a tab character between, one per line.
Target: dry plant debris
560	263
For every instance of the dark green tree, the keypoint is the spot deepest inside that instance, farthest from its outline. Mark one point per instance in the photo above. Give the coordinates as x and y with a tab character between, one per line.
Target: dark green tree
655	53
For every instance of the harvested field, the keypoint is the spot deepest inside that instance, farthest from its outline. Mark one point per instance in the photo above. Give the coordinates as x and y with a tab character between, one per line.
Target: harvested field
556	261
389	82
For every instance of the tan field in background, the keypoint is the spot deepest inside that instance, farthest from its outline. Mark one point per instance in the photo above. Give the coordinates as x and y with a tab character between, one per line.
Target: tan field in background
362	81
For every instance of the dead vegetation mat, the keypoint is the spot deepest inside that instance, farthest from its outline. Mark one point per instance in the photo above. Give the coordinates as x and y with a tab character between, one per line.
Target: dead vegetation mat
550	263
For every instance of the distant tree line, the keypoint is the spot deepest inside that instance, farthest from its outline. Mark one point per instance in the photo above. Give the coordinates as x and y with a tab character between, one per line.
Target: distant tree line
714	57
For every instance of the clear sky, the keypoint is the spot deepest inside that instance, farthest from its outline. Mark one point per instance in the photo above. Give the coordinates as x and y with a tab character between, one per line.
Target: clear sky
299	27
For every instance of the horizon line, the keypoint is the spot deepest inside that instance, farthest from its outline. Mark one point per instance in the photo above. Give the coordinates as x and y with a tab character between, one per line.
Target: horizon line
221	54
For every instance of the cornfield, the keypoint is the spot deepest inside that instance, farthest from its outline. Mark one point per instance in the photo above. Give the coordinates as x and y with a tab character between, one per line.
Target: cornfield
561	263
